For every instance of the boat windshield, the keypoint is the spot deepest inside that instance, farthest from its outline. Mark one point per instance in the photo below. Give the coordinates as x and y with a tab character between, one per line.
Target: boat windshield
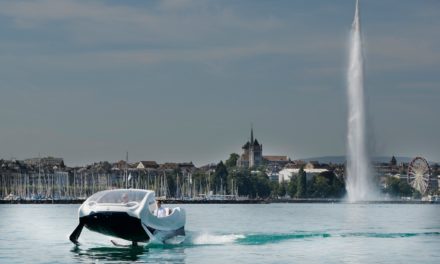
118	196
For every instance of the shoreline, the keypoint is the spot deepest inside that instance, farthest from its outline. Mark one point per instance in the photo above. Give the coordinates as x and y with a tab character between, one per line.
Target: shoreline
250	201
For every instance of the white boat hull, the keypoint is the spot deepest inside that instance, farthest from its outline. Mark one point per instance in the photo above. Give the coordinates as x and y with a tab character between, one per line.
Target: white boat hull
133	220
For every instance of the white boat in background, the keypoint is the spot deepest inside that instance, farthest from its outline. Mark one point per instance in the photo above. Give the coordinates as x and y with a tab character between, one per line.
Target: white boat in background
129	214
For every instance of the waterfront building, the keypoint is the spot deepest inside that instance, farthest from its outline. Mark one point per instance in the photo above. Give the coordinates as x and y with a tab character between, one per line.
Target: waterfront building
168	166
393	161
120	165
296	164
187	167
253	156
184	167
45	161
142	165
287	174
252	153
12	166
274	164
279	160
208	168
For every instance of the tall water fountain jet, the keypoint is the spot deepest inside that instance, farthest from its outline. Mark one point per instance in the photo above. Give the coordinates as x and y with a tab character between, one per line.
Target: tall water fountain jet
358	181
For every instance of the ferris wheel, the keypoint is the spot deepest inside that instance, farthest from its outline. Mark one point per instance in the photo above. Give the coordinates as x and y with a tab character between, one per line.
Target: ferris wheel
419	174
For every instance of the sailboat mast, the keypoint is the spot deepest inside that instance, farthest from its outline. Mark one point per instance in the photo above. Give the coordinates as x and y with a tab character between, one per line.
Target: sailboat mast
126	171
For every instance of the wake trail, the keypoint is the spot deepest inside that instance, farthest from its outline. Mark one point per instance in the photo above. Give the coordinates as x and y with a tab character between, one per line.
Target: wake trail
195	239
200	239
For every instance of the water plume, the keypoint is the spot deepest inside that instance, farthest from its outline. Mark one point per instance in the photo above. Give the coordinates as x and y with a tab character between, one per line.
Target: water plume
359	178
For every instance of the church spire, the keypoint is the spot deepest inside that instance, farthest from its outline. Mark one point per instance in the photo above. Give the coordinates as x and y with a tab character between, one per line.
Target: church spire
251	149
252	134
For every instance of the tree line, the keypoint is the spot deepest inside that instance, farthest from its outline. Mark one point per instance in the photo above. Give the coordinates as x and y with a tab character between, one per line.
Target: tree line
255	183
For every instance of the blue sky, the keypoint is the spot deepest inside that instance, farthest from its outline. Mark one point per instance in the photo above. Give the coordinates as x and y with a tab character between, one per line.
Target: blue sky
183	80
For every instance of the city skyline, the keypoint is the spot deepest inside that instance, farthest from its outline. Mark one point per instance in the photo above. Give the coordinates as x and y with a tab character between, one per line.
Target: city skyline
183	80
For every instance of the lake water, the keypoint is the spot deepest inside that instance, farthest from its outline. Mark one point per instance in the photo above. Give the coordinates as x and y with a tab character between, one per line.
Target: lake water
260	233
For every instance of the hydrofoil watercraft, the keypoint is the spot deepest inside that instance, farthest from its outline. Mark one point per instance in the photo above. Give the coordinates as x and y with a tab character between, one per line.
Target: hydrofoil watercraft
130	214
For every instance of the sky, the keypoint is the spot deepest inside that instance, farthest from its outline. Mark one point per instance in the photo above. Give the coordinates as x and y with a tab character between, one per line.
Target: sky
184	80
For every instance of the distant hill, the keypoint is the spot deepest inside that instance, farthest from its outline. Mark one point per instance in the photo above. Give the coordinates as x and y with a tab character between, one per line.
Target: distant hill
341	159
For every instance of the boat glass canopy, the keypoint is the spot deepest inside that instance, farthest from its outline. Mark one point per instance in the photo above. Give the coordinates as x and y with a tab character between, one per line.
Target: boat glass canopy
118	196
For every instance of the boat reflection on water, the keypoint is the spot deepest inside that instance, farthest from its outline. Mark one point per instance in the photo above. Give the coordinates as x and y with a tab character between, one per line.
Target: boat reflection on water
142	254
109	253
